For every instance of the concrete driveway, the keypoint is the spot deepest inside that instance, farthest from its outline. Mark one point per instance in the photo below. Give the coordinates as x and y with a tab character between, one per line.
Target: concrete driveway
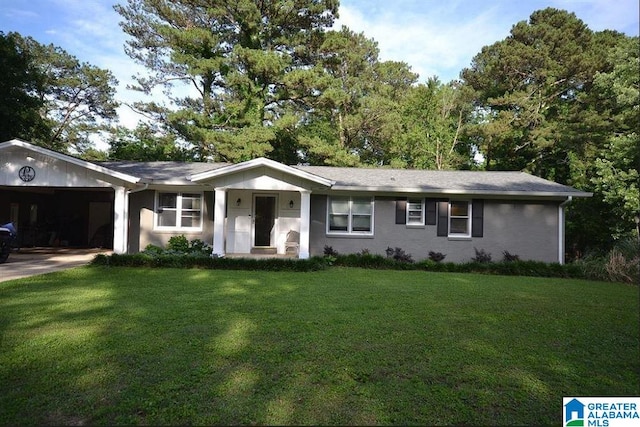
30	262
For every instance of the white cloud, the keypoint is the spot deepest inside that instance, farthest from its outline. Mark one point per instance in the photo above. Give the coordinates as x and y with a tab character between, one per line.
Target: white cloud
441	38
431	46
620	15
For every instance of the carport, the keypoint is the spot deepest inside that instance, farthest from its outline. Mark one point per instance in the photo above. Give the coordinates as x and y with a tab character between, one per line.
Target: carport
56	200
59	217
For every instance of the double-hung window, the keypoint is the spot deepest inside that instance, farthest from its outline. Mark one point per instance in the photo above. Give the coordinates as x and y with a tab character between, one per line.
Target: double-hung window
350	215
459	218
178	210
415	212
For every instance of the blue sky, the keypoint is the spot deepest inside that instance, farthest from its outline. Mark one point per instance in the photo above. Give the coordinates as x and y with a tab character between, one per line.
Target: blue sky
434	37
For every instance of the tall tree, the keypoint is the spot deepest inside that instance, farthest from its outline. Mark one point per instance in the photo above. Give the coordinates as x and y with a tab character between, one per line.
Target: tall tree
432	119
79	98
19	104
547	102
59	102
356	111
611	170
241	60
617	167
526	85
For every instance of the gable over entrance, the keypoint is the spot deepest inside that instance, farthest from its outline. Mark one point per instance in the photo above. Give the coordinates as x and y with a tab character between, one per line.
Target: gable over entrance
265	203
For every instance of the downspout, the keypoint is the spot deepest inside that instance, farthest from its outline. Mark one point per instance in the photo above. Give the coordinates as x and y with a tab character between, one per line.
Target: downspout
561	227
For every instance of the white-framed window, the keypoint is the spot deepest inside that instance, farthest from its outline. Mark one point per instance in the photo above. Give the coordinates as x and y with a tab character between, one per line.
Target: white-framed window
415	212
350	215
460	218
178	210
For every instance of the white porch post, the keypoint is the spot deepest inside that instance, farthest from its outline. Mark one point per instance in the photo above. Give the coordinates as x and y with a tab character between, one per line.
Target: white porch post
120	220
305	220
218	221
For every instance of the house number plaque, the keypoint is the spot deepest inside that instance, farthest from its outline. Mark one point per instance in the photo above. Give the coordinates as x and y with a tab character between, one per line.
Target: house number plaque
27	173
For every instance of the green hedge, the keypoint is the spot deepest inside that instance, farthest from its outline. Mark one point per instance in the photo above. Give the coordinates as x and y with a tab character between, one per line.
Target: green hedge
198	261
508	268
583	270
515	268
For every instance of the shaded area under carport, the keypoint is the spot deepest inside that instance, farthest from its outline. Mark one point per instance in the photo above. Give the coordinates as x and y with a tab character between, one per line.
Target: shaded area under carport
59	217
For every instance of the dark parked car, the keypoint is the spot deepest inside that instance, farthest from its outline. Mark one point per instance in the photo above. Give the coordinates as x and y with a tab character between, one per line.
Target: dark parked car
7	236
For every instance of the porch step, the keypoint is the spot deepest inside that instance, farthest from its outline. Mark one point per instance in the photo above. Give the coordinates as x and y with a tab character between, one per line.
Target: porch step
264	251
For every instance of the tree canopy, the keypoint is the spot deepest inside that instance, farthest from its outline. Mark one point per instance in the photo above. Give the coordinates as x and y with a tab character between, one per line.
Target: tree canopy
51	98
244	61
560	101
19	103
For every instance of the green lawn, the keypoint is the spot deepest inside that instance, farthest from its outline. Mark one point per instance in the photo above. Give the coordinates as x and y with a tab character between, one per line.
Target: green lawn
99	345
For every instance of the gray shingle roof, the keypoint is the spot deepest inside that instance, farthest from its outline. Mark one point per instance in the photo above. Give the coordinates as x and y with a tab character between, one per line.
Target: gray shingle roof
372	179
161	172
430	181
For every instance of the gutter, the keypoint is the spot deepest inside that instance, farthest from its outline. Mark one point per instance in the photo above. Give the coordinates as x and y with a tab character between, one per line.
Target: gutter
137	190
456	191
561	227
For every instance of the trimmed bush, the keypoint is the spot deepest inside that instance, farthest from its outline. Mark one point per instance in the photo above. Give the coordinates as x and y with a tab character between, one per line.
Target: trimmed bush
367	261
178	244
614	267
199	261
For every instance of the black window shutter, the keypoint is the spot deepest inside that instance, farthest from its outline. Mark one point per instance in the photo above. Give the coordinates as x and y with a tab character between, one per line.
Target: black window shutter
401	211
477	222
431	214
443	218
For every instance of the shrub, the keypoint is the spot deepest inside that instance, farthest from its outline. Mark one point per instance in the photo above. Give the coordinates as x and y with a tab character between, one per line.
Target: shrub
329	251
399	255
436	256
621	264
153	250
178	244
197	246
507	257
365	261
623	261
481	256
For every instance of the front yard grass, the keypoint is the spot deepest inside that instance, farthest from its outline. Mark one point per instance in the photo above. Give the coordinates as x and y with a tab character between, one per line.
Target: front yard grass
99	345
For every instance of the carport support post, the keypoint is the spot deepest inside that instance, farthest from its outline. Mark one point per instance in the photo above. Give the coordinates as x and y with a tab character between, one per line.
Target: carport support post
218	221
305	219
120	220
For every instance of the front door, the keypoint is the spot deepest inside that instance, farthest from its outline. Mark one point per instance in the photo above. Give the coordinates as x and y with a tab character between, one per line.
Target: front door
264	214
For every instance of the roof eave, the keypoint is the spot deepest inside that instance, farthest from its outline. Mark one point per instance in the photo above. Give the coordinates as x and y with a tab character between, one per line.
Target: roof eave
259	162
462	192
78	162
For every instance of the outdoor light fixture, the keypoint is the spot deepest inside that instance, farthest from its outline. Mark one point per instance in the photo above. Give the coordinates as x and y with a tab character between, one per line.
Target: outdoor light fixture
290	204
239	201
